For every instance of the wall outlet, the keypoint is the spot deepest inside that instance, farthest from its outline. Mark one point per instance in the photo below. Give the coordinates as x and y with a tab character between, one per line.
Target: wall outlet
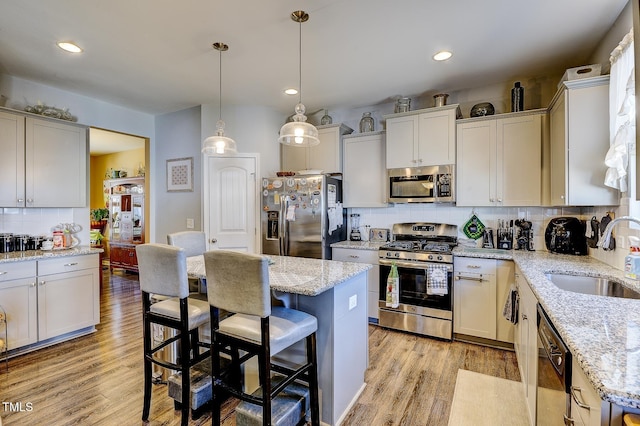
353	301
190	223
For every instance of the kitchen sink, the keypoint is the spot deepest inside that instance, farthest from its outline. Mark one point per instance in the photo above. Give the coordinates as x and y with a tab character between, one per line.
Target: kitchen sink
598	286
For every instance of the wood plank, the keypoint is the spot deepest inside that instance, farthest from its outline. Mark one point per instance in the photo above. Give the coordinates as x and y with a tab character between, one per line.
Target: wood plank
97	379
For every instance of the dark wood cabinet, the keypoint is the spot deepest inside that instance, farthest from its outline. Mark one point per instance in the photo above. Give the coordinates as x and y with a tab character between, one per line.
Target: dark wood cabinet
123	256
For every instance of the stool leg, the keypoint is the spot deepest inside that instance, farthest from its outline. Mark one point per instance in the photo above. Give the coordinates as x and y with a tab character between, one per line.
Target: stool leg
147	363
264	361
313	379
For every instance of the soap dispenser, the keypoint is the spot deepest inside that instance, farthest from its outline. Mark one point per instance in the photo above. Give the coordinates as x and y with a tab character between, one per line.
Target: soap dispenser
632	261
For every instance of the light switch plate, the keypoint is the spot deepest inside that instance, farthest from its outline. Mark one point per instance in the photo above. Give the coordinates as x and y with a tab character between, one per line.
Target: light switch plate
353	301
190	223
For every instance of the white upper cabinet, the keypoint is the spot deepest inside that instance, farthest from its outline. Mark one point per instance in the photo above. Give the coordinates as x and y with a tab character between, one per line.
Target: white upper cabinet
364	178
422	138
499	160
579	141
44	162
327	156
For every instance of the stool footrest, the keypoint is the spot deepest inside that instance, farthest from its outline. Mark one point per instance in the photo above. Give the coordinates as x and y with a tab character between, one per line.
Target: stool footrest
200	387
288	408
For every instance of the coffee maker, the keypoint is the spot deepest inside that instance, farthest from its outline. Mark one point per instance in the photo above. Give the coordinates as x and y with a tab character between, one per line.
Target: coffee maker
524	237
355	228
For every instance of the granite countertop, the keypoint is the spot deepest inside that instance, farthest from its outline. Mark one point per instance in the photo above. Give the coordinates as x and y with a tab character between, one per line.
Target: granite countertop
297	275
21	256
602	333
360	245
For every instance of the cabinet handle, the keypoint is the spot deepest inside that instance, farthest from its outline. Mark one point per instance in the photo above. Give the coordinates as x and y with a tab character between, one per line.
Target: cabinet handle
460	277
43	282
562	197
473	266
524	317
29	200
499	200
575	397
33	284
492	200
213	241
3	272
20	200
71	264
354	256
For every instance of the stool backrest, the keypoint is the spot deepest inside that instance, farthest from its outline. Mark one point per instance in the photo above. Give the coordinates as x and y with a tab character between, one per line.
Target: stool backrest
238	282
194	243
163	270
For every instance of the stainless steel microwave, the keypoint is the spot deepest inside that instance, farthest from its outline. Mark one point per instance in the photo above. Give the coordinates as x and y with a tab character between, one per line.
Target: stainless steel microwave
430	184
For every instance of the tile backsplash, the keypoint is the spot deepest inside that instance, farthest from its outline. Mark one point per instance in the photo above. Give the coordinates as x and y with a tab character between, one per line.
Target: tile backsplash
39	221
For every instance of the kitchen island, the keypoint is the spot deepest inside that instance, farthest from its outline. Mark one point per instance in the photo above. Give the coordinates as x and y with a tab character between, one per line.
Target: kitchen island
602	333
336	294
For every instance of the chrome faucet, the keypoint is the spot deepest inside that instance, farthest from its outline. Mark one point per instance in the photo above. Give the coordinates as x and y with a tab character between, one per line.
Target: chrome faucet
606	235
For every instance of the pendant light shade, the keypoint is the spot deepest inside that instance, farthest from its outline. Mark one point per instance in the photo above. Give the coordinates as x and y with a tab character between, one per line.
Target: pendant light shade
219	144
299	132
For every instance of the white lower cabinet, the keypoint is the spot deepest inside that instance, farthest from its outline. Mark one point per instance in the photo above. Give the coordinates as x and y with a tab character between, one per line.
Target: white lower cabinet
373	274
586	406
49	298
480	290
18	297
526	343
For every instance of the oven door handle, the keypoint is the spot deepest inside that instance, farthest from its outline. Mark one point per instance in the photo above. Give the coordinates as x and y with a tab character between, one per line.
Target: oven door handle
462	277
410	265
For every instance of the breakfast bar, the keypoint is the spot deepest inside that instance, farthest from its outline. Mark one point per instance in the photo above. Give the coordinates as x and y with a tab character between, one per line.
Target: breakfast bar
336	294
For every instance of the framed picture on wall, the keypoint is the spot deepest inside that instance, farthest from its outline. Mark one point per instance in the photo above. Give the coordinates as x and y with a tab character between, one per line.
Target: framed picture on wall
180	174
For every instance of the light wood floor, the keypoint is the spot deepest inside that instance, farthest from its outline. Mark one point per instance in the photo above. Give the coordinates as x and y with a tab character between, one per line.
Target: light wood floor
97	379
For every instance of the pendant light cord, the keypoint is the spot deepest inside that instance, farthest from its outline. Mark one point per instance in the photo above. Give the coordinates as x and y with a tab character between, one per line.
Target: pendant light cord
300	62
220	99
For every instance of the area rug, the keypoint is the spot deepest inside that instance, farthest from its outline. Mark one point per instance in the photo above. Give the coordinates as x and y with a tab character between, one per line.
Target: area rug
480	400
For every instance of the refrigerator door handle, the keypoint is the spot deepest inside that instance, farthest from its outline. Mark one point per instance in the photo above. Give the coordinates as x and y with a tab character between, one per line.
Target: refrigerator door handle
284	227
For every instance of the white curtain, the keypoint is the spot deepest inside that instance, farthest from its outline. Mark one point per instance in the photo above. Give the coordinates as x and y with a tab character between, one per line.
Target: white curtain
621	114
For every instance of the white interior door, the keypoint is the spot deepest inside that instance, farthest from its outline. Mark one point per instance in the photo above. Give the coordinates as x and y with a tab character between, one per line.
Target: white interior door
231	215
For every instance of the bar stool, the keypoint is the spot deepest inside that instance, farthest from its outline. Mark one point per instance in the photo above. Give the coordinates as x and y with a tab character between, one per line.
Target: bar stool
239	283
194	243
163	272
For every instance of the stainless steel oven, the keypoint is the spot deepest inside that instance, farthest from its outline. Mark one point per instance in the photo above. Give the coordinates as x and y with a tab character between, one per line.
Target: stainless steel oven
422	254
429	184
554	375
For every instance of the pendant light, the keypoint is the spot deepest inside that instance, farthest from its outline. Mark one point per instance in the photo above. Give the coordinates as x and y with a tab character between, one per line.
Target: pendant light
299	132
219	144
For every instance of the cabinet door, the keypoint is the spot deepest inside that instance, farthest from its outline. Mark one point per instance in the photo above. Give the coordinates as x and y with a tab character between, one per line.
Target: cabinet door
519	152
528	359
327	156
18	298
475	297
476	164
56	164
364	176
402	134
11	160
505	277
558	152
436	138
68	302
294	158
586	405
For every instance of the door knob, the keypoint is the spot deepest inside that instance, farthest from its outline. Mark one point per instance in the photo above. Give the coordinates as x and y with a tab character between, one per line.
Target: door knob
213	241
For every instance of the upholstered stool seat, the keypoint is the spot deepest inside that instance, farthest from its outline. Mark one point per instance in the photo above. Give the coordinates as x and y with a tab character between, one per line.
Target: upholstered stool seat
197	310
286	327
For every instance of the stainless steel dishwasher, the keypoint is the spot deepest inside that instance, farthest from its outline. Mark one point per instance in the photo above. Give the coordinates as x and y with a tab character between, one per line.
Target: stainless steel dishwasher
554	375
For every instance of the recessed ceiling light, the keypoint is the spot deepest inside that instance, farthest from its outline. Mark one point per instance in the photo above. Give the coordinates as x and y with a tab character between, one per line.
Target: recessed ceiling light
442	55
291	91
69	47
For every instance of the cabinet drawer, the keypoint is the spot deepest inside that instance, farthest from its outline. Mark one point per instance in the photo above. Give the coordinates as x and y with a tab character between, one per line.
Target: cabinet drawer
15	270
67	264
355	255
473	265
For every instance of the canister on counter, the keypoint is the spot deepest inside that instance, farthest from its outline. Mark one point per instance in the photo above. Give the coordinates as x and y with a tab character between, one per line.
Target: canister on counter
6	243
21	242
58	239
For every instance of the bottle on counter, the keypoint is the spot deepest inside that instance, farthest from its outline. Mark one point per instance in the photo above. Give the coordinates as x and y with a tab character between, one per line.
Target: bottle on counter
632	260
517	98
393	282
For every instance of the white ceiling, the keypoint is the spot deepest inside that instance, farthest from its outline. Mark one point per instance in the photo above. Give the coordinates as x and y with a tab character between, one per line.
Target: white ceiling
156	56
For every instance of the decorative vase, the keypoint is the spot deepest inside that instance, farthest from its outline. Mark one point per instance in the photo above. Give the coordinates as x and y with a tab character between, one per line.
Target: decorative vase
517	97
326	118
366	123
403	105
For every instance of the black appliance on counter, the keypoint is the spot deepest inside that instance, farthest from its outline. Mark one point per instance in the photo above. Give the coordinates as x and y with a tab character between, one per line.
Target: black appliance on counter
566	235
421	252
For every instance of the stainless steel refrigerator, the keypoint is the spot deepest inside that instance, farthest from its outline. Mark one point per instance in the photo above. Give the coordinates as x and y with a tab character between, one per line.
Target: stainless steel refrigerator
302	215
